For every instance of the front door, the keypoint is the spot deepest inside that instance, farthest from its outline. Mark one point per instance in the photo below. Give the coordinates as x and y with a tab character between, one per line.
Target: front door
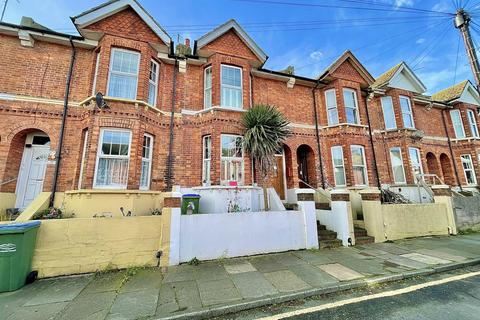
278	178
303	168
32	169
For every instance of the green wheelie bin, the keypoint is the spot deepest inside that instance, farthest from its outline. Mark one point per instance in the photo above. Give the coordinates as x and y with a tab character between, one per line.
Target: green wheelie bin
190	203
17	243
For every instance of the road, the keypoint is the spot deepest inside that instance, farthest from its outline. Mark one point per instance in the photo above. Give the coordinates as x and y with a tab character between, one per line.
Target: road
450	296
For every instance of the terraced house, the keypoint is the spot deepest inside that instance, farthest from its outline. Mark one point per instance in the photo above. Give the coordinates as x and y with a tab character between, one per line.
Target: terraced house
165	119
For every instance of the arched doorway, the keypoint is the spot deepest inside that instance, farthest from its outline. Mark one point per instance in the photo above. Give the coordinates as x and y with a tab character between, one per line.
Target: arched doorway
306	166
447	169
26	164
432	164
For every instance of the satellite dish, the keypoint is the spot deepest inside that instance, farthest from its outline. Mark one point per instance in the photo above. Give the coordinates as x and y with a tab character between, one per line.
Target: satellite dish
100	101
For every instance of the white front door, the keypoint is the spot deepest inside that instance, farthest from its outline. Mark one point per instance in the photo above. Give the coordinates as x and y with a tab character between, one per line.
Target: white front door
32	169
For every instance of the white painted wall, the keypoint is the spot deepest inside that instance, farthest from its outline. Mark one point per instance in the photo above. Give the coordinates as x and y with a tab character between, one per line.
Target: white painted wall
274	201
216	199
413	194
214	236
339	219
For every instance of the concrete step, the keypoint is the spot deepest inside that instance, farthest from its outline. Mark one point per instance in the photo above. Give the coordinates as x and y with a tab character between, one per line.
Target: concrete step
364	240
327	235
323	206
360	232
321	226
291	206
329	244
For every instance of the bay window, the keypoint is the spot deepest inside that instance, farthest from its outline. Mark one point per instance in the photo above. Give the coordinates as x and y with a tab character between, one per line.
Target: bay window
332	111
153	83
457	124
113	159
359	165
388	113
231	87
123	74
415	162
407	114
232	166
207	157
468	170
146	169
207	88
473	123
397	165
338	166
351	106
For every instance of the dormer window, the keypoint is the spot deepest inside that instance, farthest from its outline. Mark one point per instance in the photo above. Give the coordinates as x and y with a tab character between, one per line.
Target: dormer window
407	114
457	124
351	106
123	75
231	87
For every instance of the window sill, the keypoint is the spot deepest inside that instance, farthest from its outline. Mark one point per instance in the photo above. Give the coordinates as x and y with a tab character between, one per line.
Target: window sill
135	102
344	125
212	109
466	139
109	191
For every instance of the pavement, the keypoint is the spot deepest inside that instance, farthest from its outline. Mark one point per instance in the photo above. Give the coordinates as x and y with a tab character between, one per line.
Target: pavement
226	286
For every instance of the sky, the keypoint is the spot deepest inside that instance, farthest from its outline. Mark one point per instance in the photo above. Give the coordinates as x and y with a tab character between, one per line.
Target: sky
309	34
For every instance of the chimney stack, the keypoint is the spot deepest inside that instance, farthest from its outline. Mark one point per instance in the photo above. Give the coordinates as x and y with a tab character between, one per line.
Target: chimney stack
187	42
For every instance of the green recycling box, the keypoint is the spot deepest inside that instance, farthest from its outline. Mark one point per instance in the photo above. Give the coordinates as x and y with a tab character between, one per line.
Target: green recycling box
17	243
190	203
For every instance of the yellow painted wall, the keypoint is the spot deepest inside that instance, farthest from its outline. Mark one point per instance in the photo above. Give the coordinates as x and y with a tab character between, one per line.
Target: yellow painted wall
414	220
7	200
74	246
41	202
87	203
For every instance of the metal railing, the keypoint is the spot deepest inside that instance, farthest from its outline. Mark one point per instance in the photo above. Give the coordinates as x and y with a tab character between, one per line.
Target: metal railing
322	193
7	181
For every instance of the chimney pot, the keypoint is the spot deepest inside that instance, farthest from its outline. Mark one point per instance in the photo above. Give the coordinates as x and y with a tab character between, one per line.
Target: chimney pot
187	42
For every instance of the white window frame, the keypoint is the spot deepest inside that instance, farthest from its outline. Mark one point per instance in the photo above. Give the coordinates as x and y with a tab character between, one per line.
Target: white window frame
329	108
84	156
472	121
338	166
153	82
469	156
206	162
364	166
403	165
385	114
409	113
99	155
355	101
207	91
149	160
110	71
95	76
222	158
463	135
412	164
230	86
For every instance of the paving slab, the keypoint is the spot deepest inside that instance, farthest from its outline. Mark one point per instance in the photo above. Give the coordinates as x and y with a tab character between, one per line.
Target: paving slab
95	306
187	295
374	252
142	280
253	285
289	259
370	267
313	275
425	258
340	272
217	292
442	255
390	248
60	290
456	251
179	273
134	305
104	282
405	262
211	271
239	266
286	281
38	312
267	264
313	256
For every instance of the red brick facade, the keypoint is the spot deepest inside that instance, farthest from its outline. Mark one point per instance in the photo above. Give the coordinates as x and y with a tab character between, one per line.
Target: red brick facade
32	90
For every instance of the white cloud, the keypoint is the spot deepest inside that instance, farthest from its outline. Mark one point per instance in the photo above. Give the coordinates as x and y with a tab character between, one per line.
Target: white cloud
316	55
443	6
420	41
403	3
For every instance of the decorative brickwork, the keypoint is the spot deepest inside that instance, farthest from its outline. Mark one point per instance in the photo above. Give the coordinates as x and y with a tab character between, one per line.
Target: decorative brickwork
340	197
371	196
172	202
305	197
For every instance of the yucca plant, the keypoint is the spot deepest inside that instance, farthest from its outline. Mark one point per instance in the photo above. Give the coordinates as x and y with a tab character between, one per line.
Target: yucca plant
266	129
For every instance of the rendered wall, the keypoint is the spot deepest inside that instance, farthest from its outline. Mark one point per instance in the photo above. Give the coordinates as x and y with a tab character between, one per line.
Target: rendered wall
74	246
87	203
214	236
467	212
7	200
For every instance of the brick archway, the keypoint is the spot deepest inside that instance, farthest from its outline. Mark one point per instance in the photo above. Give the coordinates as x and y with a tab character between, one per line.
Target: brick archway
447	169
432	164
306	166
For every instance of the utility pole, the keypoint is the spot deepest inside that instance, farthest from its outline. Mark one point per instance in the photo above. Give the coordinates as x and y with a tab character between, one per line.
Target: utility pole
462	22
5	2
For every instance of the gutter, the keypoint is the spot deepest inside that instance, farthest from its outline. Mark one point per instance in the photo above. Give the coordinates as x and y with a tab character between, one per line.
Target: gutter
169	174
451	151
371	139
64	118
42	31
